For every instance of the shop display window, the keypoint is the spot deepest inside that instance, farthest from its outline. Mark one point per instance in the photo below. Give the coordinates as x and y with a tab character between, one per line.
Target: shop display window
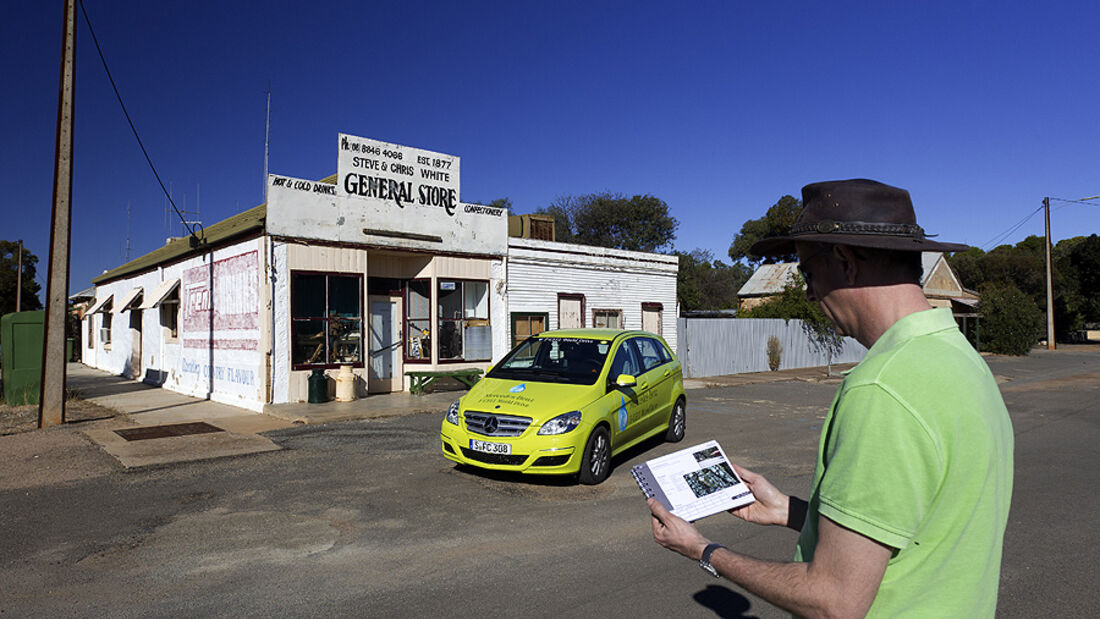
464	330
326	319
418	320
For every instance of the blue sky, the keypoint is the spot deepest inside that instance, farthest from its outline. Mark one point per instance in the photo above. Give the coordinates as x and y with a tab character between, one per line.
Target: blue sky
980	109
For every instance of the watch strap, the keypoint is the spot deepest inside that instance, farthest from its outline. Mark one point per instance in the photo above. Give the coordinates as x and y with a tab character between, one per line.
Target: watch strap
704	562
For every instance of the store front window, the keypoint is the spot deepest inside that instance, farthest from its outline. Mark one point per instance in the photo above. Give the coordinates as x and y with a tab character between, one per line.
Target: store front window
326	319
418	320
464	330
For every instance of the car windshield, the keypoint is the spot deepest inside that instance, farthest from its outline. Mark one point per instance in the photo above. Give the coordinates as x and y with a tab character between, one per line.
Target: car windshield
575	361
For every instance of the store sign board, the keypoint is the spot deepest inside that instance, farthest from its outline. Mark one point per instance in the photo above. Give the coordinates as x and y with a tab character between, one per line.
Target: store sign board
312	210
402	176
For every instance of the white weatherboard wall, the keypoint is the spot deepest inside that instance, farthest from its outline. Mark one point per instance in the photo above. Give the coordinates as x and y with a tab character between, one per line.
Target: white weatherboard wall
608	278
228	314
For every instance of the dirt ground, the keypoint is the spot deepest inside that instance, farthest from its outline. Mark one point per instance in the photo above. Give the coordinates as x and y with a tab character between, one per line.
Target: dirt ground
16	419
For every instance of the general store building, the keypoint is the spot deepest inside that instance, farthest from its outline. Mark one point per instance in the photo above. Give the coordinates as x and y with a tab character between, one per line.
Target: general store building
380	267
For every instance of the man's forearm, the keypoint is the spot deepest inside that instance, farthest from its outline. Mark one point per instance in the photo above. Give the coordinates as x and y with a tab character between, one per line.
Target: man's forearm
786	585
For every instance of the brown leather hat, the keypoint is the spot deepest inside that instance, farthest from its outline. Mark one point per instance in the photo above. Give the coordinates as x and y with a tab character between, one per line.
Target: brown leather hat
857	212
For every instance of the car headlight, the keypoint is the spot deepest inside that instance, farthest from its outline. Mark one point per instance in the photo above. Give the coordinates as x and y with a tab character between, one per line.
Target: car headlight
452	413
561	424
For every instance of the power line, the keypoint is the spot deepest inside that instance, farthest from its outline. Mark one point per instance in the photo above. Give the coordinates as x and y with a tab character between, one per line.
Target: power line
1015	227
1079	201
190	230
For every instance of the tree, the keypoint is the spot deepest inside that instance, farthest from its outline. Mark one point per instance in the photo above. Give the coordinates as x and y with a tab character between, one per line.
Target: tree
776	222
639	223
9	261
1023	267
704	283
792	303
1011	322
1077	260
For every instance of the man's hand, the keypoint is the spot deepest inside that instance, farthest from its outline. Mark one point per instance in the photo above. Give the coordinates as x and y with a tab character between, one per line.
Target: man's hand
675	533
771	505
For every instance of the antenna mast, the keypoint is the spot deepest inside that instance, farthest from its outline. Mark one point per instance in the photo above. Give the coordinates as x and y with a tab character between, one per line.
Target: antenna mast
267	138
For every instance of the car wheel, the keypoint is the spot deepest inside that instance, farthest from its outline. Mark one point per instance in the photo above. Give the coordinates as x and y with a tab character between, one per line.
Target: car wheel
677	422
596	462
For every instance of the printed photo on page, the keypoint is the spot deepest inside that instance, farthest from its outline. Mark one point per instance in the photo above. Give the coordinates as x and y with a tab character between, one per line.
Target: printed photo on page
693	483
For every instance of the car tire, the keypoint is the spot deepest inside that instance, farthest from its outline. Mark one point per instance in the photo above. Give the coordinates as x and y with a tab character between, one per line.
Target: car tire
677	422
596	461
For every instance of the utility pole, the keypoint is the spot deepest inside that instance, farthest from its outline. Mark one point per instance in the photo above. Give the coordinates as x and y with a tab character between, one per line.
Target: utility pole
51	401
1050	278
19	279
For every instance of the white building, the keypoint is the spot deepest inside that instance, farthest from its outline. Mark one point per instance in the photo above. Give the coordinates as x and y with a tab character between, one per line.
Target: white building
380	267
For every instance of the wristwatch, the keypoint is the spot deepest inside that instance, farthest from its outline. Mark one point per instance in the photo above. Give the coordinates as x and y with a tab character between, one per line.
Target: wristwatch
705	561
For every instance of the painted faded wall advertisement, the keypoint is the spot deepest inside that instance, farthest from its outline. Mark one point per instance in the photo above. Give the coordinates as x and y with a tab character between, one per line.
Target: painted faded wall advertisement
221	307
222	301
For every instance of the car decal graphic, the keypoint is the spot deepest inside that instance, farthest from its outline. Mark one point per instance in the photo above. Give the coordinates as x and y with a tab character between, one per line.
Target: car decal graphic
622	414
518	388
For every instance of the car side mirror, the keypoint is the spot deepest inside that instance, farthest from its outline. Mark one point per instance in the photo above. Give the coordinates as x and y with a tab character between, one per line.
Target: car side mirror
626	380
488	369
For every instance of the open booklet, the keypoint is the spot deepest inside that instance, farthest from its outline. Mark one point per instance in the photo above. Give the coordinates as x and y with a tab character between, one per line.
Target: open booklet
693	483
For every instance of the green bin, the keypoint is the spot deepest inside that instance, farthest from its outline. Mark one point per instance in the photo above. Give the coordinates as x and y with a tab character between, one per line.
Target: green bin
21	356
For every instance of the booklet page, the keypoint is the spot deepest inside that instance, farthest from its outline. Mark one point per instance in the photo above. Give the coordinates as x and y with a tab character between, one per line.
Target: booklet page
699	481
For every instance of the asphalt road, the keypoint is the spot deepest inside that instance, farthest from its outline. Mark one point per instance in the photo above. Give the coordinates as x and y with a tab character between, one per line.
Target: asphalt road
367	519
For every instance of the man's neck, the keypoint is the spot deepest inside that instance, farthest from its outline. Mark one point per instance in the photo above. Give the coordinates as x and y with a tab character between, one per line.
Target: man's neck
882	306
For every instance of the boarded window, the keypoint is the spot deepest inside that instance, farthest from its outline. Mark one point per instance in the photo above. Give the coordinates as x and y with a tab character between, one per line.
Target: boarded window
607	319
570	311
526	325
651	317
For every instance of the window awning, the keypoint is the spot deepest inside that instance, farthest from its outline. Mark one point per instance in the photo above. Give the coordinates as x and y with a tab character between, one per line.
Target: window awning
166	288
101	305
128	301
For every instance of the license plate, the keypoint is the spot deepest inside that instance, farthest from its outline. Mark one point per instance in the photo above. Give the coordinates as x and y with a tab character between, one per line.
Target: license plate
490	448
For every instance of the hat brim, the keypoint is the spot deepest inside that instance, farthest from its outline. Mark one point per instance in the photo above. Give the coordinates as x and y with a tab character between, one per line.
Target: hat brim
780	245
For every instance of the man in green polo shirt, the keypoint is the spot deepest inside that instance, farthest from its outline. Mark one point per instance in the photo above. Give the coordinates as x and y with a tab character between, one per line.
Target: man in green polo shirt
911	491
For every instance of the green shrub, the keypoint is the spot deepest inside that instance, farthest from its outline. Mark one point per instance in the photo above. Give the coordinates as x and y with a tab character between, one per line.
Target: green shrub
775	353
1011	323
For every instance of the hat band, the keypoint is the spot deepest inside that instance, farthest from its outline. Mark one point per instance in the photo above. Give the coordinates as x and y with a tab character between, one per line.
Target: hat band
827	226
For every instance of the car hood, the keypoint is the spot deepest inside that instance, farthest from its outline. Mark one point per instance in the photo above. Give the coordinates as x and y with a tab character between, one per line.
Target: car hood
528	398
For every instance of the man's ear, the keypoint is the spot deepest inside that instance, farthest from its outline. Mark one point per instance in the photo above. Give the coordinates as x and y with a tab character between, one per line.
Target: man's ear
849	261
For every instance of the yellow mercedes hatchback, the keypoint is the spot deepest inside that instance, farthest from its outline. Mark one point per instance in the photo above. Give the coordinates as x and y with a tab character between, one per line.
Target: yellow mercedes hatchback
564	402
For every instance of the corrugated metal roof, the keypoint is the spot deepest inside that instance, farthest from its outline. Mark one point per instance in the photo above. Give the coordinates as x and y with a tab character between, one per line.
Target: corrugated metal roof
238	225
768	279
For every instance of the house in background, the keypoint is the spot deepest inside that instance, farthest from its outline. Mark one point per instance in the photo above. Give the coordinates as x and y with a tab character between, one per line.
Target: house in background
941	286
767	281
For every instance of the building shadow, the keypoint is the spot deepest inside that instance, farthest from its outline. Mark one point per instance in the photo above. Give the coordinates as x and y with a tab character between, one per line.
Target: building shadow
725	602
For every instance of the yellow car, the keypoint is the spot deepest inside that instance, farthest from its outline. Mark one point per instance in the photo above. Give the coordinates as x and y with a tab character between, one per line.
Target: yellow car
564	402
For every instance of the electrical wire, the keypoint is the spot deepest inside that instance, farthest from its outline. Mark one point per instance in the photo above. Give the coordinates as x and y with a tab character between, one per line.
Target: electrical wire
1000	237
1085	201
190	230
